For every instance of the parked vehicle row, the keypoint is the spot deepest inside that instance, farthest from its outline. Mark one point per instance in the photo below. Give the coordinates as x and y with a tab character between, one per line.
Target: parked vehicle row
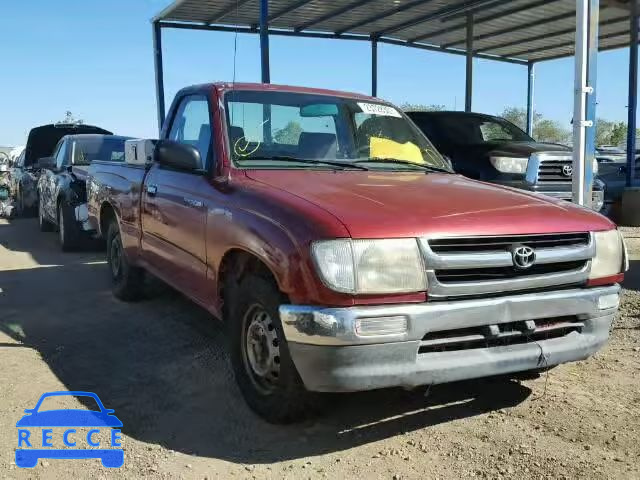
41	143
343	253
62	194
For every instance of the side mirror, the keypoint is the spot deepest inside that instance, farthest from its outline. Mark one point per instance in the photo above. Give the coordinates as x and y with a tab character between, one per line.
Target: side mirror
47	162
177	155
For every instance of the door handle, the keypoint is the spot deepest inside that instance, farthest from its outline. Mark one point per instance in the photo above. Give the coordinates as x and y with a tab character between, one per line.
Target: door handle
152	190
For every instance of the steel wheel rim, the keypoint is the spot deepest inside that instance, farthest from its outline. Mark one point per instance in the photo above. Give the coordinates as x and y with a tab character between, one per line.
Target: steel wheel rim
261	349
115	258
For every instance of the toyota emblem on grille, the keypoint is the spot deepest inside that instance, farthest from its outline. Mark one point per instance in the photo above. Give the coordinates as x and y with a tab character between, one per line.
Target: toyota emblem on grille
567	170
523	256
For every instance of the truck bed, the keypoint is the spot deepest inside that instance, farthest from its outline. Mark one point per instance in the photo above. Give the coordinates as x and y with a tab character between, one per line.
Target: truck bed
121	183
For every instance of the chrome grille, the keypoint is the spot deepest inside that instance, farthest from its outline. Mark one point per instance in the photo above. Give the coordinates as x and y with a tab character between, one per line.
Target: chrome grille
480	265
483	244
497	335
551	171
547	167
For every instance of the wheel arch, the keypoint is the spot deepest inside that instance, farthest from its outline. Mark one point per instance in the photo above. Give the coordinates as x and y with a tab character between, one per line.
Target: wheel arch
107	214
235	265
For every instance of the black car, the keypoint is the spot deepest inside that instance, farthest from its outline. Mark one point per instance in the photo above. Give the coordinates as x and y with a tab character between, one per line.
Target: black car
40	143
62	194
495	150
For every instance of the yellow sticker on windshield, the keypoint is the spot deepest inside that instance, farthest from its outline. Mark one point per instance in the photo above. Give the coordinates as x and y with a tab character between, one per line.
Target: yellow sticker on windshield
385	148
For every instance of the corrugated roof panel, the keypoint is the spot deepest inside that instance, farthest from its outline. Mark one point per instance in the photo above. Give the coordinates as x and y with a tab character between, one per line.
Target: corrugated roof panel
523	29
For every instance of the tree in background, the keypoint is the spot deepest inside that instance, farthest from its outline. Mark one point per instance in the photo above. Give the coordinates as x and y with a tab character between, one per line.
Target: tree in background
289	135
544	130
618	135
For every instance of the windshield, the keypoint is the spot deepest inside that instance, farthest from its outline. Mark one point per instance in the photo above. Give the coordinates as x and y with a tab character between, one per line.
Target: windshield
294	130
106	148
470	129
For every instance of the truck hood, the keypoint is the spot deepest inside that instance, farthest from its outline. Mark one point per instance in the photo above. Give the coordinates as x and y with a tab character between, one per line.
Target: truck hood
518	149
408	204
43	139
80	172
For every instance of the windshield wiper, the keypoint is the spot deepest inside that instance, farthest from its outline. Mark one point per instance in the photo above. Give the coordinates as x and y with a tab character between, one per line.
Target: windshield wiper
403	162
308	161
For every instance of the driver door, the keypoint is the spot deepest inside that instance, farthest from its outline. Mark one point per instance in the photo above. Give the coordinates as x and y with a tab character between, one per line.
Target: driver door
174	206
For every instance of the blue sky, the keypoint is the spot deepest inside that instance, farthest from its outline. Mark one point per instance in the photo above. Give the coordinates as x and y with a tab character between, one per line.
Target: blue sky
94	58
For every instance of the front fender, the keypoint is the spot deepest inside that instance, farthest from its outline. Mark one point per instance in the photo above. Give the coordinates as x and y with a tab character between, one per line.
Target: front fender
259	236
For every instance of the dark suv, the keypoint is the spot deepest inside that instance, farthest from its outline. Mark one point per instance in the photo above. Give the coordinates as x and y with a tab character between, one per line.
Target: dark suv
492	149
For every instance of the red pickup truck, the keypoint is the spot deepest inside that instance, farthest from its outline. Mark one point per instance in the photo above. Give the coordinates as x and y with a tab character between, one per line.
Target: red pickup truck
343	254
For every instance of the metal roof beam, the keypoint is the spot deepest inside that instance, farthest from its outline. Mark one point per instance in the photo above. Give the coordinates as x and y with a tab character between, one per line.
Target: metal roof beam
546	35
433	48
565	44
515	28
615	46
289	9
386	13
482	19
438	14
494	4
291	33
230	9
329	15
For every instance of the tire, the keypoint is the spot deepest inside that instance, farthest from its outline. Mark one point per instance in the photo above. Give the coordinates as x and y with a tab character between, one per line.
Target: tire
19	203
270	385
44	224
69	234
127	281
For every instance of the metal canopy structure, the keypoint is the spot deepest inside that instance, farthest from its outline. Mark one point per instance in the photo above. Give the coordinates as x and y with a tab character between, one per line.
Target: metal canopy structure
516	31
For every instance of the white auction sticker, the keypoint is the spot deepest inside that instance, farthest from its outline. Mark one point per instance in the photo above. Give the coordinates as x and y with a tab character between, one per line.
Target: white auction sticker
377	109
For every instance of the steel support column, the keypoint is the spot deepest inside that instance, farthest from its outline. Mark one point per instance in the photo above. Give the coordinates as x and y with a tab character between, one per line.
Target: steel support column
374	67
157	62
584	105
530	86
590	113
633	94
468	92
264	41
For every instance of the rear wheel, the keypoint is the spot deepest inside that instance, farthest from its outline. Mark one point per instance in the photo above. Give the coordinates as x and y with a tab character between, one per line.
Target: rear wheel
264	370
44	224
126	280
69	234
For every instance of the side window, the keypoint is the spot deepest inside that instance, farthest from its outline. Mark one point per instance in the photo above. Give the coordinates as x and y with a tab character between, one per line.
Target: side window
191	125
61	154
494	131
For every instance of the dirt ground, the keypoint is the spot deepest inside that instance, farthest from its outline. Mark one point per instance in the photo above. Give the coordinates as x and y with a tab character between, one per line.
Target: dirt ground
162	365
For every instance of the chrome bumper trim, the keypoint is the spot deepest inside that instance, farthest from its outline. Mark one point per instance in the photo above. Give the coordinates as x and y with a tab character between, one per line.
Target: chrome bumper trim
337	326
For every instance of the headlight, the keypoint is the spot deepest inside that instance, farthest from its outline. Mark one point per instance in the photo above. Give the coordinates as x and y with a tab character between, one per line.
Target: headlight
595	166
510	164
370	266
609	259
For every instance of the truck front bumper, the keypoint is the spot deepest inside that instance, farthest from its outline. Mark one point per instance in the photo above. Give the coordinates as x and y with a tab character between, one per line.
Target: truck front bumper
334	349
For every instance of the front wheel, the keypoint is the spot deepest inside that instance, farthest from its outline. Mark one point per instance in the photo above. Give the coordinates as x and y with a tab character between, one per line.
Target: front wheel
264	370
126	280
44	224
68	231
